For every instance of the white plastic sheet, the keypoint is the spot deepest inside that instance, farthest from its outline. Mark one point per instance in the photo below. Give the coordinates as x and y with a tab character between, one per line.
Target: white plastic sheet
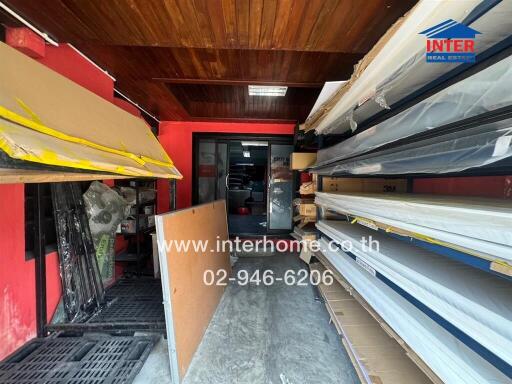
450	359
474	302
483	225
451	152
485	91
400	67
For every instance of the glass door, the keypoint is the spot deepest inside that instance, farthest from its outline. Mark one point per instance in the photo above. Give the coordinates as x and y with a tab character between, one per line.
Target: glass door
280	188
252	173
212	170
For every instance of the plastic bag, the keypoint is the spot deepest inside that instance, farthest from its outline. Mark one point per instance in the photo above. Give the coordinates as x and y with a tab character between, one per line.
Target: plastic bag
105	210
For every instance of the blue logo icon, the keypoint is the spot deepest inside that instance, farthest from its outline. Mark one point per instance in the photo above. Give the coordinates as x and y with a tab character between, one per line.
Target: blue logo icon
450	42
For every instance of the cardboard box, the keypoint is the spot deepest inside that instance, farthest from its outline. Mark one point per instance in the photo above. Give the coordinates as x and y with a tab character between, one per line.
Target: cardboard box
308	188
337	184
307	209
302	160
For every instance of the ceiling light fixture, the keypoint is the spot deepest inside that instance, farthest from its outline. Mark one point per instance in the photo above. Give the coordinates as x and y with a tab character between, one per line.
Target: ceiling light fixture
247	154
267	90
254	144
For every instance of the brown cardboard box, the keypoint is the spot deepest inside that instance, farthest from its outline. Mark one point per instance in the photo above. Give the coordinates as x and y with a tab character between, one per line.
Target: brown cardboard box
308	188
378	185
307	209
302	160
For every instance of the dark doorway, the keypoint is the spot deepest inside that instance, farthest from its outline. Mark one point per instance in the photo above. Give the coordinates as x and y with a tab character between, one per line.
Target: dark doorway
252	174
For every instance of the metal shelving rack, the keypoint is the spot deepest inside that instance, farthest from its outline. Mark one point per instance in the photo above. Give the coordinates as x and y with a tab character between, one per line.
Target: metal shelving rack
135	252
498	270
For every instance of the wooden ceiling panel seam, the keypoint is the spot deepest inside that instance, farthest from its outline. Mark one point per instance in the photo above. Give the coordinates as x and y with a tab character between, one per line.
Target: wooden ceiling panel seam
243	16
255	20
268	20
271	23
204	23
151	45
230	22
317	35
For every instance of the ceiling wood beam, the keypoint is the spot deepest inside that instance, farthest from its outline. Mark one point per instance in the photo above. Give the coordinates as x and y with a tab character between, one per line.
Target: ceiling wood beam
237	82
242	120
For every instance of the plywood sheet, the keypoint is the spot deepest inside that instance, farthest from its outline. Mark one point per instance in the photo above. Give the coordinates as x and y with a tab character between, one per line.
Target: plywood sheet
47	118
189	302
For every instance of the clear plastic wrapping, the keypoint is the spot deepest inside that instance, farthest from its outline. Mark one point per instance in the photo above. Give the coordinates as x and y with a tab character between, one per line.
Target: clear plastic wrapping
105	211
485	91
453	152
400	68
462	295
479	225
450	359
82	288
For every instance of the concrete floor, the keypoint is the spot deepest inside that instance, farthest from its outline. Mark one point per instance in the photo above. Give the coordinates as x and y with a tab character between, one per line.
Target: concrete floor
275	334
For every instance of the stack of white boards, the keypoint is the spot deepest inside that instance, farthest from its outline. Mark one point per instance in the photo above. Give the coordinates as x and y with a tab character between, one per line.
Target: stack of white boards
483	92
480	226
457	319
396	67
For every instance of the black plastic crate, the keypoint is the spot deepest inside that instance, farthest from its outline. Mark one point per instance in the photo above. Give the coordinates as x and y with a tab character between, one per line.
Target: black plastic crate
90	359
136	286
131	309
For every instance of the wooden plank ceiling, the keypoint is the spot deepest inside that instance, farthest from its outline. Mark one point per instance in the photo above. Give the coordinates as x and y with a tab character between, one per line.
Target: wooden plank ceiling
193	59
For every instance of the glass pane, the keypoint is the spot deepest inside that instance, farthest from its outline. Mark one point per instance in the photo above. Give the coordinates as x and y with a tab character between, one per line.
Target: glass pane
206	172
222	159
280	187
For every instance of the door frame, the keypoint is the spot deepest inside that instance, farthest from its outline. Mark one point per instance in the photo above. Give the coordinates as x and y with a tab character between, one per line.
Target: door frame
227	138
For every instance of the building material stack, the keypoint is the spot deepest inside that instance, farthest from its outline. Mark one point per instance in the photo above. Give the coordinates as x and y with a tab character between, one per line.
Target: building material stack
434	271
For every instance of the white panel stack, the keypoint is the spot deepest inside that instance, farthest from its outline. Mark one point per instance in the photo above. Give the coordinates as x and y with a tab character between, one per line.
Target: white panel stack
482	225
480	309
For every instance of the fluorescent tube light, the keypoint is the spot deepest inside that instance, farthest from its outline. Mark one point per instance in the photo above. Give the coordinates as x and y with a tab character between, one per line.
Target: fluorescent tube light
247	154
254	144
267	90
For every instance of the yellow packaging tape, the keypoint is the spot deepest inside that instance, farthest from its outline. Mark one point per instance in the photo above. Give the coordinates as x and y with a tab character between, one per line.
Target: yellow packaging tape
32	124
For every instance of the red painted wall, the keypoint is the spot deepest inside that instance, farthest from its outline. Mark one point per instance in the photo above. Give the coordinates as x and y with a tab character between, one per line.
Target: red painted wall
17	276
176	138
69	63
483	186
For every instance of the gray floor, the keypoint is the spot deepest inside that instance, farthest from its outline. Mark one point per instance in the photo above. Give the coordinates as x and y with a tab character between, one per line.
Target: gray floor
275	334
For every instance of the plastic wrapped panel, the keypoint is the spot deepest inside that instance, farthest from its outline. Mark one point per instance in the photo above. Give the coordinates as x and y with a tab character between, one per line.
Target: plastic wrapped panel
399	68
477	223
450	359
452	152
485	91
471	301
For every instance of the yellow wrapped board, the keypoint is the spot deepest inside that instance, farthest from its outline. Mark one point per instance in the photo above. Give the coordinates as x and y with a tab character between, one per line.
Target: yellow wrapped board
46	118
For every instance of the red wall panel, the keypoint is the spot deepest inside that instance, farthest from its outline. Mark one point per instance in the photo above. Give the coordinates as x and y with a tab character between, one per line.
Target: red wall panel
69	63
483	186
176	138
17	276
